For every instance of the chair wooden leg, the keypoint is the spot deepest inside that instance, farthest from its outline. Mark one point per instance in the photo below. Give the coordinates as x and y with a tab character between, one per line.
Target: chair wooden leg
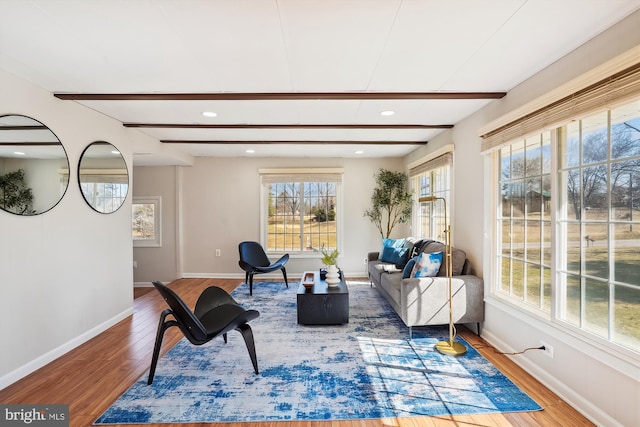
247	334
284	273
162	326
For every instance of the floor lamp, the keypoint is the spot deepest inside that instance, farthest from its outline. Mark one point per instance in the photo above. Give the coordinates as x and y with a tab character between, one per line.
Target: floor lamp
449	348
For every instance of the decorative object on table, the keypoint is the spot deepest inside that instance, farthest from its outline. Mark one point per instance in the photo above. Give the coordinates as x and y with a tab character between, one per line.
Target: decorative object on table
333	276
329	259
360	370
308	280
451	347
391	202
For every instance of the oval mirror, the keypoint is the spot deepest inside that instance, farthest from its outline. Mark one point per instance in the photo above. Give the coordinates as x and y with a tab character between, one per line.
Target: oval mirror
103	177
34	168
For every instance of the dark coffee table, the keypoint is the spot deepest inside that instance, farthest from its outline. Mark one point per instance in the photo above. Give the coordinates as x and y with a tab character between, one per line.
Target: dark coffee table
321	304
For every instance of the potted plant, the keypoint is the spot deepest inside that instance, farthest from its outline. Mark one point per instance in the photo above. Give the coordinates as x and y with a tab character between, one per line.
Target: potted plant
391	202
15	196
329	258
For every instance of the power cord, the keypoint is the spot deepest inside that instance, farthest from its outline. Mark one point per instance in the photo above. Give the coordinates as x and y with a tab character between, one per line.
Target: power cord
511	354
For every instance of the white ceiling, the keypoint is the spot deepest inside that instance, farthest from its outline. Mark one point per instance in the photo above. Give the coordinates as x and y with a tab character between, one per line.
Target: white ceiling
290	46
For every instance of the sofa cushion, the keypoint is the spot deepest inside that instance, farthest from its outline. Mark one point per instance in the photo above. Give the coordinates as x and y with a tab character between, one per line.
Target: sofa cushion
408	268
458	257
394	251
427	265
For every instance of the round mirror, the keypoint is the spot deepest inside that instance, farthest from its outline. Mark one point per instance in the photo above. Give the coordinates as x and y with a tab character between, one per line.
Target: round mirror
103	177
34	168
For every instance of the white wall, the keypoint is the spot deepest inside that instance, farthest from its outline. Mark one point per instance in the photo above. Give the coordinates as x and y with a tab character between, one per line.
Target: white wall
222	208
65	275
603	385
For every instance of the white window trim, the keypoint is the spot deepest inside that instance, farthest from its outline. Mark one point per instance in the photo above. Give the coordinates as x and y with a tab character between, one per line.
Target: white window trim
264	200
620	358
157	202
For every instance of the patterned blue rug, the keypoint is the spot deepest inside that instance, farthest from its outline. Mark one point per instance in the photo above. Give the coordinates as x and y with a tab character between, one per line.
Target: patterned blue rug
364	369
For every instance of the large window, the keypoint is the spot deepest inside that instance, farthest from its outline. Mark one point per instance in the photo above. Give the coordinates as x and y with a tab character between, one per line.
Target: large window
599	225
301	212
432	178
588	277
524	221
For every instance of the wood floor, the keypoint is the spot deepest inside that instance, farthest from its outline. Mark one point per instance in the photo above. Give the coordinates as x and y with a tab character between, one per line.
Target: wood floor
91	377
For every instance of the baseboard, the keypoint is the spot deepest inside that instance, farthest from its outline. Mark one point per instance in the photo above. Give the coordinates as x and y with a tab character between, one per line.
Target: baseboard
585	407
142	285
50	356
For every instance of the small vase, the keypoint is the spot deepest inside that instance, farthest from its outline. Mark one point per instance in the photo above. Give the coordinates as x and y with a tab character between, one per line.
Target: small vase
333	276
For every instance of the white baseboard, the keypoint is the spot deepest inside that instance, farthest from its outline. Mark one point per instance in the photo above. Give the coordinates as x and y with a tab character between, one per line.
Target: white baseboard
50	356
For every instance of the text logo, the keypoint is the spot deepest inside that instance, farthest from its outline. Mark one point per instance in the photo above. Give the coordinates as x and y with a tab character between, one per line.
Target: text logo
34	415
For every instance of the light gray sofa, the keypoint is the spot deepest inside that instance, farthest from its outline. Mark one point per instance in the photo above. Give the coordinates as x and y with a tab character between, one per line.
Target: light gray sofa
424	301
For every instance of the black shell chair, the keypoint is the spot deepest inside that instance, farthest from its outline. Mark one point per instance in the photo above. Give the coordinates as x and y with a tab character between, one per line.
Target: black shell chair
253	260
216	313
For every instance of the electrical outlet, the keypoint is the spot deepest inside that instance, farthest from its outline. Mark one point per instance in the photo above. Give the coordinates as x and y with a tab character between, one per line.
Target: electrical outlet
548	349
217	252
365	261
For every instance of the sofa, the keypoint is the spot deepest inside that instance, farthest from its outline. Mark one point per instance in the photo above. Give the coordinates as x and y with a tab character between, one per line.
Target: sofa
422	301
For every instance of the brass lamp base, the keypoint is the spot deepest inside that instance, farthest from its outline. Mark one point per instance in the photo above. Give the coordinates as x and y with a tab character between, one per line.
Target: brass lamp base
450	348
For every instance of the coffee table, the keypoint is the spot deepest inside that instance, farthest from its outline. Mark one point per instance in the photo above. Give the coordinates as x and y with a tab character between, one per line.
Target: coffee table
322	304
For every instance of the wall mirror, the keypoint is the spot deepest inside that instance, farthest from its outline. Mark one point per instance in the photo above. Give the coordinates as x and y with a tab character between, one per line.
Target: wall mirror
34	168
103	177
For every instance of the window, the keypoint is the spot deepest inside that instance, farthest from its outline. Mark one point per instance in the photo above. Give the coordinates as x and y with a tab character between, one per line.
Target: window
599	225
105	190
301	210
592	200
432	178
146	222
524	222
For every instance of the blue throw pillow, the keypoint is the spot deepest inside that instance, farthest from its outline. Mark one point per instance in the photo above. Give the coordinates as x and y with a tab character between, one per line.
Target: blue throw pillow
393	251
406	272
427	265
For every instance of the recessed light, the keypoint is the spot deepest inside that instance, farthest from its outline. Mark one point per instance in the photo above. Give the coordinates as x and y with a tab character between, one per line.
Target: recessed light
387	113
209	114
19	153
250	151
359	152
115	152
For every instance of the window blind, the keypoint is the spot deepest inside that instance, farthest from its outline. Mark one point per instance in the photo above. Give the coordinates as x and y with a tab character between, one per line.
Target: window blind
605	94
438	162
270	176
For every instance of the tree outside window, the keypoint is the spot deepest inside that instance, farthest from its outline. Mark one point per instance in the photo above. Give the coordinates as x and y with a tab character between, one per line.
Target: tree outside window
146	222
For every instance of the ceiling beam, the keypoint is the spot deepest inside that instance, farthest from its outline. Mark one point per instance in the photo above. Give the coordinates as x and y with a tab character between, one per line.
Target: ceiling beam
178	141
275	96
282	126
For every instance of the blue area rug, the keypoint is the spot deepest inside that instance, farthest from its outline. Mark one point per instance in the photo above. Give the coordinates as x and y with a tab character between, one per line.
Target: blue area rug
364	369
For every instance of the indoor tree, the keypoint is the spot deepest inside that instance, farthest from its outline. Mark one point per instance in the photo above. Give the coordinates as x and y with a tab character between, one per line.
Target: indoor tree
391	203
15	196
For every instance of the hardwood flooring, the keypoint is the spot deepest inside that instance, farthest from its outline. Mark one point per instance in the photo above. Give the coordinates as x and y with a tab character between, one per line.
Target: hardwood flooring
92	376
